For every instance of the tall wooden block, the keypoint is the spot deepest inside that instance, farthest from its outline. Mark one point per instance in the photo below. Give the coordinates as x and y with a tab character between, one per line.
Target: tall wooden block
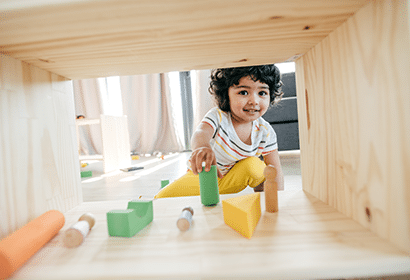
242	213
354	119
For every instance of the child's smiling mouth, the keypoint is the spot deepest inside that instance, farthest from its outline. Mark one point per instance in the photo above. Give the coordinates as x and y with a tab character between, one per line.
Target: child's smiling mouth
251	110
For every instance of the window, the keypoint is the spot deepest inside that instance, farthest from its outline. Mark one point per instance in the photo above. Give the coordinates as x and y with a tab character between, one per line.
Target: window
111	95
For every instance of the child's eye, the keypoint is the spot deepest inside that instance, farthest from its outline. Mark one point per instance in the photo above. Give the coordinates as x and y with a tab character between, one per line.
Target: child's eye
243	92
263	93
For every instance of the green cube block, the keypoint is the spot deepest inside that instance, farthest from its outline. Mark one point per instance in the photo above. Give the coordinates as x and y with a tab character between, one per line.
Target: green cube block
121	222
164	183
88	173
128	222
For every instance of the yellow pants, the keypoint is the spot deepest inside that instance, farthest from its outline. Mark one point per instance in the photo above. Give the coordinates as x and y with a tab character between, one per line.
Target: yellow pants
247	172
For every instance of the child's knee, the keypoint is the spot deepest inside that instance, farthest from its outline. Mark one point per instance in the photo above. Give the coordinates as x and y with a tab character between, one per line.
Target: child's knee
250	171
253	167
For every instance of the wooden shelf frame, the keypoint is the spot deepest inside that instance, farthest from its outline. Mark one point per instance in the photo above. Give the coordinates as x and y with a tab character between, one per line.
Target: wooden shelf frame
89	39
352	67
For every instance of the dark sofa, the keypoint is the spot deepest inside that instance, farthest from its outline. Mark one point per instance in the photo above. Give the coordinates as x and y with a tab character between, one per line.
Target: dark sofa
283	117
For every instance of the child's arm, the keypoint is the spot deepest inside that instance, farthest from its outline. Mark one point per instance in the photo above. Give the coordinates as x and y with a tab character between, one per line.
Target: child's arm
202	150
273	159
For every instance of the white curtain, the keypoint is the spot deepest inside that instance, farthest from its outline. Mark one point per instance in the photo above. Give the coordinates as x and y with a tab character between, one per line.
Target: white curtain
153	119
152	104
202	99
147	102
142	104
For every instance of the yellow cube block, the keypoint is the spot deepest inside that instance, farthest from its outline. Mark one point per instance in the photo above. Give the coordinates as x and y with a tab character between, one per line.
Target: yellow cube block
242	213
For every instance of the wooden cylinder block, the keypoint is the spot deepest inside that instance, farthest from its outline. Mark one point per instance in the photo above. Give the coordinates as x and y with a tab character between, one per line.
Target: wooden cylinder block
271	189
185	219
75	235
19	246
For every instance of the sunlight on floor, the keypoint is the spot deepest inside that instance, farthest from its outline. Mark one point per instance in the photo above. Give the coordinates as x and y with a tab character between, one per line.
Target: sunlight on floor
132	184
149	171
146	182
140	164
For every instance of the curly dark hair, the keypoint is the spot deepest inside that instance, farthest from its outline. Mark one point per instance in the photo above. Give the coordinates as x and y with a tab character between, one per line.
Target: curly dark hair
222	79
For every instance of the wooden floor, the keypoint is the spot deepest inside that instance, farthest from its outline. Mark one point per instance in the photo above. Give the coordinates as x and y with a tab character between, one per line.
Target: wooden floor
147	182
306	239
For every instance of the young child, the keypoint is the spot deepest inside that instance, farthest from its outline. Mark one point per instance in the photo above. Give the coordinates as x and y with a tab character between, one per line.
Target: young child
233	136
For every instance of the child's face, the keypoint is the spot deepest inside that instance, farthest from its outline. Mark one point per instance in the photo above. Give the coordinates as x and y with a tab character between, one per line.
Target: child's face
248	100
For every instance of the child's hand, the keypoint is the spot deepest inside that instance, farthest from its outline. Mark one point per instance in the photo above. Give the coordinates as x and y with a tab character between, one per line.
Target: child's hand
200	155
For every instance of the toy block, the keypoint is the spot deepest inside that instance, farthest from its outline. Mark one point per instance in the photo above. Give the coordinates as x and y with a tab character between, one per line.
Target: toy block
164	183
271	189
184	221
128	222
75	235
208	188
19	246
88	173
242	213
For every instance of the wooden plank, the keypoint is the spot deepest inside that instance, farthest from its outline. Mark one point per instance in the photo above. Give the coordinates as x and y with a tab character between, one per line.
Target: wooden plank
305	239
87	121
87	39
91	157
39	167
354	119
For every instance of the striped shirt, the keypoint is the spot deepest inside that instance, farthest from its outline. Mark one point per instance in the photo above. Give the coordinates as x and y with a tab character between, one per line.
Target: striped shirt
227	146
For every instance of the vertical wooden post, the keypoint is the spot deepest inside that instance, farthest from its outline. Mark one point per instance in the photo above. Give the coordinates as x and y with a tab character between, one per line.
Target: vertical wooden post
354	119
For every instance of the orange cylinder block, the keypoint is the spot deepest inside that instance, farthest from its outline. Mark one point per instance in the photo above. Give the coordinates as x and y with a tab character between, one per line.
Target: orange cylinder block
19	246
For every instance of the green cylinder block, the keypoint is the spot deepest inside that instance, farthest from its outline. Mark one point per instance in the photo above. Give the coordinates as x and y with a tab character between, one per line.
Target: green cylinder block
209	190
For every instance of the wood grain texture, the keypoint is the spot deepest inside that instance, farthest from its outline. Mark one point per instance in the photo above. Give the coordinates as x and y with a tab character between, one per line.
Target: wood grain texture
88	39
305	239
39	167
354	119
